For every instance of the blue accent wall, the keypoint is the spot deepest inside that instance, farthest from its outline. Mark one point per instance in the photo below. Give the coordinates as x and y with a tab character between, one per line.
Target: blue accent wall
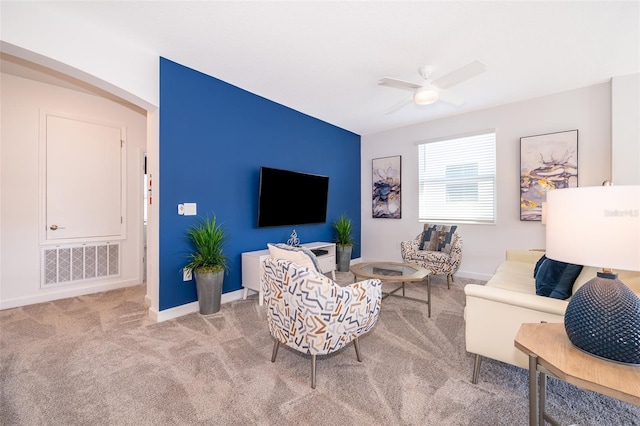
214	137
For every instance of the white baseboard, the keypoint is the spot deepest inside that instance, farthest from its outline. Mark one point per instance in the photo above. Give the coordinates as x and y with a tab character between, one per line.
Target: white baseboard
473	275
58	293
189	308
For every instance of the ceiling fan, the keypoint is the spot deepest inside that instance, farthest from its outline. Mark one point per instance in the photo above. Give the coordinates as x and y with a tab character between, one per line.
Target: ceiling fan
430	91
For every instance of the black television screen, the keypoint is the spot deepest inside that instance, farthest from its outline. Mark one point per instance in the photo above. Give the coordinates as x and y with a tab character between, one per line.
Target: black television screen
291	198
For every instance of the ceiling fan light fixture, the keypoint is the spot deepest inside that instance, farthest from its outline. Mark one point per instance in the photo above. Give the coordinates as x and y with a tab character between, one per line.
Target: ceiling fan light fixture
425	95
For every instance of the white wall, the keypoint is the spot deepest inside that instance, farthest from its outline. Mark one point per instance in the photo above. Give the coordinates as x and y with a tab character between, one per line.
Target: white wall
587	109
43	34
22	100
625	132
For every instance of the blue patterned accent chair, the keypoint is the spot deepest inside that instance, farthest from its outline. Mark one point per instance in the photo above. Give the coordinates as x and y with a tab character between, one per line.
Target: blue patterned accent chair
310	313
437	248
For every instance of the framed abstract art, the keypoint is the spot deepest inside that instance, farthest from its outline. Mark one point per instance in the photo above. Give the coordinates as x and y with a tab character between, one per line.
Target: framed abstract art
386	187
547	162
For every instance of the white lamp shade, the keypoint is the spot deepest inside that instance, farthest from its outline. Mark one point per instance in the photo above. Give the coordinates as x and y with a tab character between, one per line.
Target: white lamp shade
595	226
425	95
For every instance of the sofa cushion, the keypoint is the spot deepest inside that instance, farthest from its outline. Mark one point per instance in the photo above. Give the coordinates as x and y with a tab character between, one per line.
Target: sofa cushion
514	276
555	279
437	238
298	255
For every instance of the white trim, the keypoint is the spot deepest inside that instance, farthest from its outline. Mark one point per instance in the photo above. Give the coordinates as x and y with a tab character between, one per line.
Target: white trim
143	237
65	293
189	308
42	164
458	136
473	275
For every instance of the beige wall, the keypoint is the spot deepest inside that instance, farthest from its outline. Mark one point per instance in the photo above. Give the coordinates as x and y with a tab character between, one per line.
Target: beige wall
22	101
587	109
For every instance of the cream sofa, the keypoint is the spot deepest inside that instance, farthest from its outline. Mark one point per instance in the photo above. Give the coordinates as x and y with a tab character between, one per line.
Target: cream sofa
495	311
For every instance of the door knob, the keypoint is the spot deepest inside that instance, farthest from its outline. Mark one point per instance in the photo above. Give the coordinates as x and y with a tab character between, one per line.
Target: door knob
54	227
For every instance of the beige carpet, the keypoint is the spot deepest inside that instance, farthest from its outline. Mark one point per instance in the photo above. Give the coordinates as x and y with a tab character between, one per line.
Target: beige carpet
98	360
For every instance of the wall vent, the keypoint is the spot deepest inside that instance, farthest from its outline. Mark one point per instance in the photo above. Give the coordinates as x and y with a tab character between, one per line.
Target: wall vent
69	264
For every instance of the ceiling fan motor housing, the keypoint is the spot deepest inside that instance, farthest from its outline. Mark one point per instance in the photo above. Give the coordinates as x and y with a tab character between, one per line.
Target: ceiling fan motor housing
425	95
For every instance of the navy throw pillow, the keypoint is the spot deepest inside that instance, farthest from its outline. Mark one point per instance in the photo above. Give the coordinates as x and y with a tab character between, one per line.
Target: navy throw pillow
565	283
538	263
555	279
544	278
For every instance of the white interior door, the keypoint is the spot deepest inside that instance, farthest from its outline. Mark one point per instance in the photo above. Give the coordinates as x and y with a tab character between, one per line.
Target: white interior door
84	174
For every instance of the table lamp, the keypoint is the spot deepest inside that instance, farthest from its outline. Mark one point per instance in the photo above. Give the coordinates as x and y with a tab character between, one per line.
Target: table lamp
599	226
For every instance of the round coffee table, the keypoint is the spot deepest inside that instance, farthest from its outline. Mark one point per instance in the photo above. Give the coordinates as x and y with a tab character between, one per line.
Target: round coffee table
398	273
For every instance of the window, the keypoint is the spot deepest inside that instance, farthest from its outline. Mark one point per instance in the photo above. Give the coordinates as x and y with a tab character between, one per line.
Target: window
457	179
461	191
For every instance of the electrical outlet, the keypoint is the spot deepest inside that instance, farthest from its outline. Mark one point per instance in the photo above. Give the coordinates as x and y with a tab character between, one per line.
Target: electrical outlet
186	274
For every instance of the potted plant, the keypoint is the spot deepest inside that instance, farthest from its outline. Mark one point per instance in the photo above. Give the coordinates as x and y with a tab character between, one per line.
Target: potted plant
207	262
344	242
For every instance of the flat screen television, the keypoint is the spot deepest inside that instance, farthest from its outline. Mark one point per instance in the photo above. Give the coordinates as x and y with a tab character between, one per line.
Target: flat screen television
288	198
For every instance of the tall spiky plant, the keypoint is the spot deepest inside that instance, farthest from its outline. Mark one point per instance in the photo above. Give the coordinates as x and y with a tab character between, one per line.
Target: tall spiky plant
343	228
207	238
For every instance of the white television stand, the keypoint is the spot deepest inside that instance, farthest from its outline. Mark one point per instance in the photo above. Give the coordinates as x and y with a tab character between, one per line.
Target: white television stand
252	260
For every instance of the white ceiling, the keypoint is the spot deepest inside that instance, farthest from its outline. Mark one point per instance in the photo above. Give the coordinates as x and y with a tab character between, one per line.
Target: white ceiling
325	58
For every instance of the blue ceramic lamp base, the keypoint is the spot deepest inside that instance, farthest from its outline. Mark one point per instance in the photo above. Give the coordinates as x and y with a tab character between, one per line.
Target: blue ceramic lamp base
603	319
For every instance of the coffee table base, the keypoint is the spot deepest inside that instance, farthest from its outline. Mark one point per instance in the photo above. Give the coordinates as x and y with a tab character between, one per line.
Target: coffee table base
401	287
394	272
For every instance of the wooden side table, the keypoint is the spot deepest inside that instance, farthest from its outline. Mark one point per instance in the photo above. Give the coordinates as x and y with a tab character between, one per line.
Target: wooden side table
552	353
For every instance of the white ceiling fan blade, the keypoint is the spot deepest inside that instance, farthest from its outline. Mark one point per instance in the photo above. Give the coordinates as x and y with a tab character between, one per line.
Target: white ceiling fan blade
398	84
461	74
398	106
449	97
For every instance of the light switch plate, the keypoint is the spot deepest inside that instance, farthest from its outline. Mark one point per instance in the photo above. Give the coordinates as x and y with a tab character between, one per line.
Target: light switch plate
190	209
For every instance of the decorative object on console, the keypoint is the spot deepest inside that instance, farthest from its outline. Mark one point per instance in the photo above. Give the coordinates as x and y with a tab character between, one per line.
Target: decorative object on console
546	162
208	262
293	239
599	226
344	242
437	248
387	187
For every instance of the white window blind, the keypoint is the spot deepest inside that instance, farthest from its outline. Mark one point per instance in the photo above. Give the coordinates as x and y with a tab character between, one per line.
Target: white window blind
457	179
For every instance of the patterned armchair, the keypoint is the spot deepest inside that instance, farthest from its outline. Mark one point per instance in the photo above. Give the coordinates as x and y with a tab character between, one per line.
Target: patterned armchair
310	313
437	248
